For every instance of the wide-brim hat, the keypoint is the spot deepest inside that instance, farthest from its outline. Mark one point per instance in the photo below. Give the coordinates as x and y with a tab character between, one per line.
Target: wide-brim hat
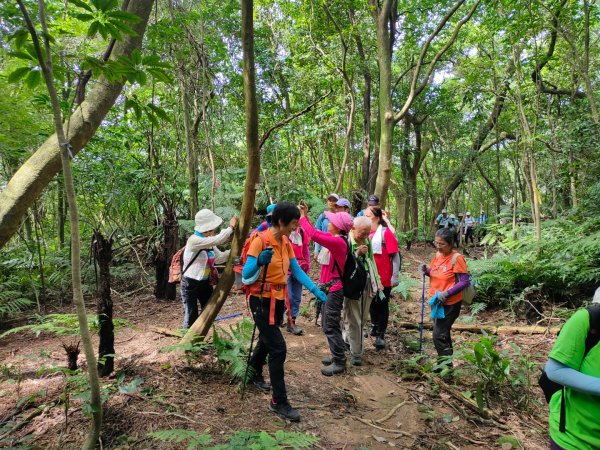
341	220
206	220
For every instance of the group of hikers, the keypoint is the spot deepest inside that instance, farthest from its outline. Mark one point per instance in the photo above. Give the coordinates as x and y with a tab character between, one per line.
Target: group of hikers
275	268
359	261
464	225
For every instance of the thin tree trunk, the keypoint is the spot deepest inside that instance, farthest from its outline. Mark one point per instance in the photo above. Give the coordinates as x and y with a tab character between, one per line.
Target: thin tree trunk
64	148
202	325
169	246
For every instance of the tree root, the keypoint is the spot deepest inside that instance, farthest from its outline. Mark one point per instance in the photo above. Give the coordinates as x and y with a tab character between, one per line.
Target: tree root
387	430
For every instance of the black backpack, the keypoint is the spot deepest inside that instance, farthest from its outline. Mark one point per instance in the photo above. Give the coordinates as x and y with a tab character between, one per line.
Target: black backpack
354	279
550	387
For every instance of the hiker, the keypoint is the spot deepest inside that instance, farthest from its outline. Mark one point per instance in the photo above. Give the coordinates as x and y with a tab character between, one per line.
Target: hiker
453	224
300	242
570	366
343	205
322	221
355	311
469	227
387	258
267	292
202	253
373	200
332	260
448	277
443	220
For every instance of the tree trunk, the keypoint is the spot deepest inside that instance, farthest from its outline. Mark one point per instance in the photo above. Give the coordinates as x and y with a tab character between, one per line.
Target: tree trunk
202	325
35	174
102	251
169	246
192	155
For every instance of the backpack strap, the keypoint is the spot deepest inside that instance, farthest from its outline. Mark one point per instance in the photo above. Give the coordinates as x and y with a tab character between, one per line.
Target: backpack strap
593	336
348	250
191	261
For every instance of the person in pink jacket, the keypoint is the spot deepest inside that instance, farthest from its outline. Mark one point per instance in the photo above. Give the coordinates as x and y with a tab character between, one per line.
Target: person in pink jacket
332	259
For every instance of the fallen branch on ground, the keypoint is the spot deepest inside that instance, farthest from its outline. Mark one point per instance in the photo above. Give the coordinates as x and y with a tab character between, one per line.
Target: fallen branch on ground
490	329
165	331
391	413
387	430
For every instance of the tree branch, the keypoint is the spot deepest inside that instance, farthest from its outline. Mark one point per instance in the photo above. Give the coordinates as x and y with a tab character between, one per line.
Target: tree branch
288	119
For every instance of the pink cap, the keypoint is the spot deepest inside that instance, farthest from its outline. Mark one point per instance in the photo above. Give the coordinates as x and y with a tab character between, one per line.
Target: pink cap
341	220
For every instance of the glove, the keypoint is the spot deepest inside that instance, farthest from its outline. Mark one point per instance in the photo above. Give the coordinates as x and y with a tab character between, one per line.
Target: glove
321	296
423	268
442	297
265	257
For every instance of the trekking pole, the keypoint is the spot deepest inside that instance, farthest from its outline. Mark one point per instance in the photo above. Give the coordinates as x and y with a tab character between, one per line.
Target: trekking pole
422	314
262	286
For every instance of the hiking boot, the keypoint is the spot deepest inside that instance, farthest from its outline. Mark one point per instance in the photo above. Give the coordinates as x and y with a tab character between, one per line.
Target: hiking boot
379	343
327	360
296	331
333	369
261	384
284	410
357	360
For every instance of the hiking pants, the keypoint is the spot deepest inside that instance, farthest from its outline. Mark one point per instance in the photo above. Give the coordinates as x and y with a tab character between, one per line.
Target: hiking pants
295	294
355	317
332	315
270	343
469	234
192	293
380	312
441	329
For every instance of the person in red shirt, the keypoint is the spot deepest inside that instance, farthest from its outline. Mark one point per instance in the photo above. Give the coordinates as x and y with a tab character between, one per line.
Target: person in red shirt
388	261
449	276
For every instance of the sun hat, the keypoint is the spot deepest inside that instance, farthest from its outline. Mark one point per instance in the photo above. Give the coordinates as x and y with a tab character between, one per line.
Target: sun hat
333	196
343	202
373	200
444	211
341	220
468	213
206	220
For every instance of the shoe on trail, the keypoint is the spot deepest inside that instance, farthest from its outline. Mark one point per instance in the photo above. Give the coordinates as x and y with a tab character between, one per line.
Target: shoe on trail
261	384
357	360
285	411
327	360
294	329
379	343
333	369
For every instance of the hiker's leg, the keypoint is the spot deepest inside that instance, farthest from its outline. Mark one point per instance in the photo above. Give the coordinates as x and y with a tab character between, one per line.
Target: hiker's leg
295	294
189	298
205	290
352	326
384	312
275	344
261	318
373	314
331	325
441	330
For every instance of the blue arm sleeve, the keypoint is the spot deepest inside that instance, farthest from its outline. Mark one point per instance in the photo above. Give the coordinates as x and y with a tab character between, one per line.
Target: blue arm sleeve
300	275
562	374
251	267
318	227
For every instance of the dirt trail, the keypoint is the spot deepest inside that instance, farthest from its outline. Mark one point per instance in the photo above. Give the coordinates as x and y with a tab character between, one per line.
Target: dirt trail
201	398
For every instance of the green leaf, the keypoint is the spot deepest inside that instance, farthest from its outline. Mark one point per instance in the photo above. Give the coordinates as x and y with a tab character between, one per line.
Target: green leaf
131	387
34	77
81	4
479	397
18	74
93	29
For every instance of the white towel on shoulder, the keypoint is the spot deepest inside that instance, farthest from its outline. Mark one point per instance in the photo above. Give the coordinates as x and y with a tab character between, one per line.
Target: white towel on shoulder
324	256
377	241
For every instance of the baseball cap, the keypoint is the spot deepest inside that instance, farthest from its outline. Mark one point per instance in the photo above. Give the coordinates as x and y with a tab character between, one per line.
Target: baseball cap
373	200
343	202
444	211
468	213
334	197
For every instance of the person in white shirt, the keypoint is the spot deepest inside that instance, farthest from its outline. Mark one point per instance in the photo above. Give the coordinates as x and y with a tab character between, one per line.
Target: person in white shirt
199	259
469	227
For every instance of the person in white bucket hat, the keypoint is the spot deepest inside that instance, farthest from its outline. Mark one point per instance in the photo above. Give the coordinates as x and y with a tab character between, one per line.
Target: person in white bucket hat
201	255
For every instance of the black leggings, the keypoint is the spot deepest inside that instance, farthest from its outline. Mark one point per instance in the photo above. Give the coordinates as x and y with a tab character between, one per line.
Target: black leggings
380	312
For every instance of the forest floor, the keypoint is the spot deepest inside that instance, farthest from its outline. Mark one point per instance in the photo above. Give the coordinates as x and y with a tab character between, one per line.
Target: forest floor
200	397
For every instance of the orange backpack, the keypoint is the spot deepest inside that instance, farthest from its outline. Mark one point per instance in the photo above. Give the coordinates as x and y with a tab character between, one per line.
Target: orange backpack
175	272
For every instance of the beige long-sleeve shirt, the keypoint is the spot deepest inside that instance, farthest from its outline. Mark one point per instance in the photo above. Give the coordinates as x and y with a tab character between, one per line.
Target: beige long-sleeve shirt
197	270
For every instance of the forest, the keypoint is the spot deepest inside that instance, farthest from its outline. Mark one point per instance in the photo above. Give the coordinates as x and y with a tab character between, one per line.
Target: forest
120	120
